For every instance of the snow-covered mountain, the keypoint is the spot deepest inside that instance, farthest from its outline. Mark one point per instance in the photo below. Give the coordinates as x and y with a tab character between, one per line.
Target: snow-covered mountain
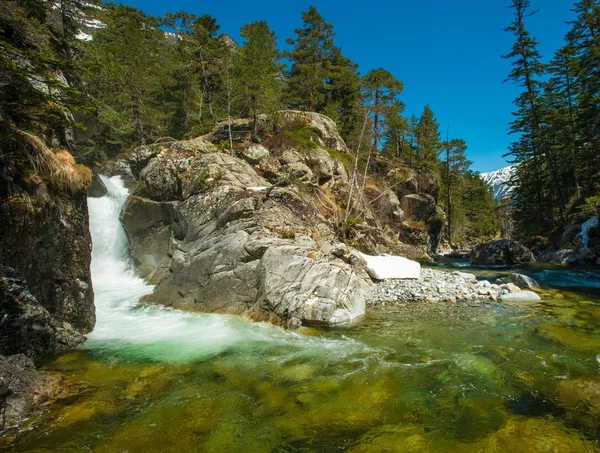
498	181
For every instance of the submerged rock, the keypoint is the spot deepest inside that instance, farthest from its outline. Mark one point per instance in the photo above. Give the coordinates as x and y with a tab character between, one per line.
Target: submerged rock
580	397
520	296
522	281
503	252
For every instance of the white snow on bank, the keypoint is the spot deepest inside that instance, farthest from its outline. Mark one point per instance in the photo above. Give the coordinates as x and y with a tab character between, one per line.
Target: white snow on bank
585	230
391	267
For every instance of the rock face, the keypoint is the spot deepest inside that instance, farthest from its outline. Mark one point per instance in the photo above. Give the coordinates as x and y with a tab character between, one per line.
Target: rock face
28	327
503	252
215	236
46	296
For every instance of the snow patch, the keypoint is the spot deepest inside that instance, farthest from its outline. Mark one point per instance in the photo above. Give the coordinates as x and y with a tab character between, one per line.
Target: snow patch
585	230
499	181
83	36
391	267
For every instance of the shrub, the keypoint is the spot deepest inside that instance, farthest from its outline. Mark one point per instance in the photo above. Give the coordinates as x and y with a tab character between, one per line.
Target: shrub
288	233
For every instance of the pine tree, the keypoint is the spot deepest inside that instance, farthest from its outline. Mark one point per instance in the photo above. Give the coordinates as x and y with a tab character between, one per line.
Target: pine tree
381	89
133	60
198	72
537	193
311	57
259	71
396	131
454	168
427	140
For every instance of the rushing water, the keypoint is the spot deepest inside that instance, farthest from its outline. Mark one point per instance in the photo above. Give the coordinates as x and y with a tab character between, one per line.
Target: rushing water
409	379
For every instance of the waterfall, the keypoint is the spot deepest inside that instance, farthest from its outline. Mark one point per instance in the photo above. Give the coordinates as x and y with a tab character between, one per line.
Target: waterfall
152	332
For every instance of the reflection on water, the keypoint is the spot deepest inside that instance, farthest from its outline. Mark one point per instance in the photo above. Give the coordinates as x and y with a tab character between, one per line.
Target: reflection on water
420	378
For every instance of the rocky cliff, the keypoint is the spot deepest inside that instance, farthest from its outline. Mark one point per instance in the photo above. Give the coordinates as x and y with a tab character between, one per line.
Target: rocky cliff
46	296
266	229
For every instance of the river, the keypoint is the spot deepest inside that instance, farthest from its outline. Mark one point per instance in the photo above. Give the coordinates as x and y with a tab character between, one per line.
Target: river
405	378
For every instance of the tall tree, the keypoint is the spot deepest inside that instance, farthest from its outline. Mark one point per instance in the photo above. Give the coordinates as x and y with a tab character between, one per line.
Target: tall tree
382	89
259	70
133	60
311	59
427	139
536	194
454	166
396	130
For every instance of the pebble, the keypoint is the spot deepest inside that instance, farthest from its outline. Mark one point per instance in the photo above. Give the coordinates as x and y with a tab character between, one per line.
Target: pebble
436	287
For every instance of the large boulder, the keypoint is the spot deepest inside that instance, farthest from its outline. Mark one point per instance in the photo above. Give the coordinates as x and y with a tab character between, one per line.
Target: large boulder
229	242
418	207
97	188
325	126
522	281
503	252
23	388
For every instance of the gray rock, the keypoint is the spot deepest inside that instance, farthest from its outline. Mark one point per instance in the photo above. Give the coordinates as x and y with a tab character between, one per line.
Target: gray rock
321	164
465	276
148	227
255	154
502	252
567	257
418	207
520	296
588	255
97	189
19	381
25	326
522	281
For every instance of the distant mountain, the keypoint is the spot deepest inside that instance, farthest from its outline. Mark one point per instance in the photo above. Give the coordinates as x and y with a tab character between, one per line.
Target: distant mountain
498	181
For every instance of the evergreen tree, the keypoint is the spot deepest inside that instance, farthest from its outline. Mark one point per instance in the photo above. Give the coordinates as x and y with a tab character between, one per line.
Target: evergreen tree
536	193
427	140
342	96
396	131
198	73
259	71
132	78
454	168
311	59
382	89
34	93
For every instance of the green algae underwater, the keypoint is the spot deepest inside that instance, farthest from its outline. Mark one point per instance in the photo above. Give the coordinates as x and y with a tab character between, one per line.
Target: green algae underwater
406	378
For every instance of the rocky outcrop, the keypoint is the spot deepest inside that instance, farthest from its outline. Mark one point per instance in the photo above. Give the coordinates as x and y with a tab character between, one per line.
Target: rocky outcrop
418	207
217	237
256	230
46	242
503	252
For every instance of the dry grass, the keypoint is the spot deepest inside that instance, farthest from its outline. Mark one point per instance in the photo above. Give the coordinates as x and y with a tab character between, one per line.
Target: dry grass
56	167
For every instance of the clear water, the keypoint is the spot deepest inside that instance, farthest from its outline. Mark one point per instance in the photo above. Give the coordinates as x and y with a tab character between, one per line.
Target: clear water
415	378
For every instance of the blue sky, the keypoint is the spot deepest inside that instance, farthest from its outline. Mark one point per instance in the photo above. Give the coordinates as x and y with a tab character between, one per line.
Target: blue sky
446	53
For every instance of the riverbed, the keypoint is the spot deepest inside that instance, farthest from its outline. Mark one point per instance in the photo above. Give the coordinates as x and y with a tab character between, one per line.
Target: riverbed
409	378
